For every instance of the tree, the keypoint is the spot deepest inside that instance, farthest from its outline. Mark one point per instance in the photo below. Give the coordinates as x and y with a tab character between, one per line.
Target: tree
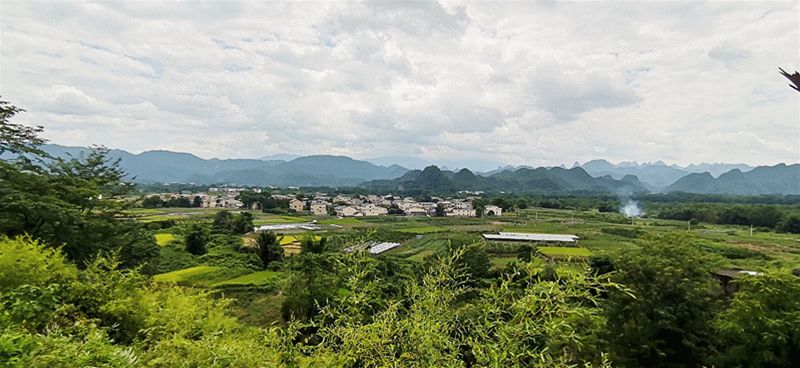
196	239
152	202
664	318
243	223
439	211
18	138
790	224
223	222
197	202
310	245
69	202
760	328
227	223
269	248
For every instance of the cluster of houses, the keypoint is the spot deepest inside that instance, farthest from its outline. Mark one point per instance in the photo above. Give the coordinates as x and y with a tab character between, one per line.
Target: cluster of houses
320	204
375	205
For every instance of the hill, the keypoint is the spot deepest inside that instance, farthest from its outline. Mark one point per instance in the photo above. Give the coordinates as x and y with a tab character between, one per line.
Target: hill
166	167
540	180
779	179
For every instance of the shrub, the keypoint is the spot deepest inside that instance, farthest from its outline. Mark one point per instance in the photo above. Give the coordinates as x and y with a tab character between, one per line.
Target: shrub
26	261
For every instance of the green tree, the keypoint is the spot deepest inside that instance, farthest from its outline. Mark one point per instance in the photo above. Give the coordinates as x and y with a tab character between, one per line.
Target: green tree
790	224
17	138
761	327
312	283
664	318
68	202
243	223
152	202
223	222
269	248
312	246
196	239
438	211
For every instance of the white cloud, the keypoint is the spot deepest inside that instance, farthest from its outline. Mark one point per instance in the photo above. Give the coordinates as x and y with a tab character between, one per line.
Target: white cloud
537	83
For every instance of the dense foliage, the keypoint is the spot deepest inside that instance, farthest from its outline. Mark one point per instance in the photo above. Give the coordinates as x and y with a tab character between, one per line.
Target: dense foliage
70	203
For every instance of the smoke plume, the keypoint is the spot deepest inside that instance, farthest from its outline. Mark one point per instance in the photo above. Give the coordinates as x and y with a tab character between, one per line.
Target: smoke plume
632	209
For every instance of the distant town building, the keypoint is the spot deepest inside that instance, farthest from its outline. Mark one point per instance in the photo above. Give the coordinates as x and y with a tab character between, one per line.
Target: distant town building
319	208
297	205
492	210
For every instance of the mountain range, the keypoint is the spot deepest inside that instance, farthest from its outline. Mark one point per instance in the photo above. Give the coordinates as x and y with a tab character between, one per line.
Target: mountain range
340	171
778	179
656	175
176	167
540	181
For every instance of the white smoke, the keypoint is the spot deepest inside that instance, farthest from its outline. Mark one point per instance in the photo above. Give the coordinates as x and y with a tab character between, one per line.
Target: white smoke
632	209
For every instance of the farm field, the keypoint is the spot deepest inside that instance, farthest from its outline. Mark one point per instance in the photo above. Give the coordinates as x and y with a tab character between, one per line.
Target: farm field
232	267
164	239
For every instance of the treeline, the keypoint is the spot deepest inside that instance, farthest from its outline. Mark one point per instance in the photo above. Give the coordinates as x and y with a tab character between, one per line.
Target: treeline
174	201
573	202
682	197
773	217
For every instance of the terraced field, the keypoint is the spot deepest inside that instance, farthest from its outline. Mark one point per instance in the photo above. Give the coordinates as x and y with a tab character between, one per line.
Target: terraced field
164	239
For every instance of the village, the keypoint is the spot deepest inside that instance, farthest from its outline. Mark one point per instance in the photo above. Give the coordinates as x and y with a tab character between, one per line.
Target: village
339	205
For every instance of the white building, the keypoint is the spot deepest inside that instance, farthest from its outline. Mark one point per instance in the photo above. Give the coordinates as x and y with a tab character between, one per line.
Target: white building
319	208
297	205
492	210
348	211
373	210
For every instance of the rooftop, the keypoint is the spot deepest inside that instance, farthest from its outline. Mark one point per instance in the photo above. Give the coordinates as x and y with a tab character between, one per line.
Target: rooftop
566	238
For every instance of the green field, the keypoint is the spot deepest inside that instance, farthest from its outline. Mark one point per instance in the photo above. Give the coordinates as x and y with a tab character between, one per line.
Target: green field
341	221
565	251
265	219
422	229
255	278
164	239
290	239
186	274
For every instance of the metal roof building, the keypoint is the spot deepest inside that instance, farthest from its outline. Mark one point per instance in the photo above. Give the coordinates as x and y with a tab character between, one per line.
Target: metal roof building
563	238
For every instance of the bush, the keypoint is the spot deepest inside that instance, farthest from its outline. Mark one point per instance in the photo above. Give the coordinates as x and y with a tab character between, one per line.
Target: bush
621	231
26	261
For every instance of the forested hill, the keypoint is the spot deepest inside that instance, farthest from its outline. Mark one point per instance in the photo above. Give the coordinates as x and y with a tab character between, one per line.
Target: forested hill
541	180
166	167
779	179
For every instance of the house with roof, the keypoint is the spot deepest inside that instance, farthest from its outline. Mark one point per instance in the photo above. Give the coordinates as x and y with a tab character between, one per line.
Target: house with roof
297	205
492	210
319	208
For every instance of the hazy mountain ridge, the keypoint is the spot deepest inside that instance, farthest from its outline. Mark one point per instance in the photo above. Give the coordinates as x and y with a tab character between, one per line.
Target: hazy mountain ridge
340	171
166	167
539	180
657	175
779	179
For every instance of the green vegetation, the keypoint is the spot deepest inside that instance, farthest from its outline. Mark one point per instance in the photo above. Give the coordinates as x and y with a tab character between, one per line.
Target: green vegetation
253	279
185	274
422	229
164	239
565	251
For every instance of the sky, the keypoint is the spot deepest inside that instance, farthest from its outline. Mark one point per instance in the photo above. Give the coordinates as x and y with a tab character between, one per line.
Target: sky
470	84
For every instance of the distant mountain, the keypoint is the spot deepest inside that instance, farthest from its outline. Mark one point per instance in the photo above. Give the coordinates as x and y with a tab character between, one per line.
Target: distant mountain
541	180
280	157
167	167
655	175
717	169
778	179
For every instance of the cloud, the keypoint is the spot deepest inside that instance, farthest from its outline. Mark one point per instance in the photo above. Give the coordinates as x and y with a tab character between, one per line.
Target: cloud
565	97
728	54
532	83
